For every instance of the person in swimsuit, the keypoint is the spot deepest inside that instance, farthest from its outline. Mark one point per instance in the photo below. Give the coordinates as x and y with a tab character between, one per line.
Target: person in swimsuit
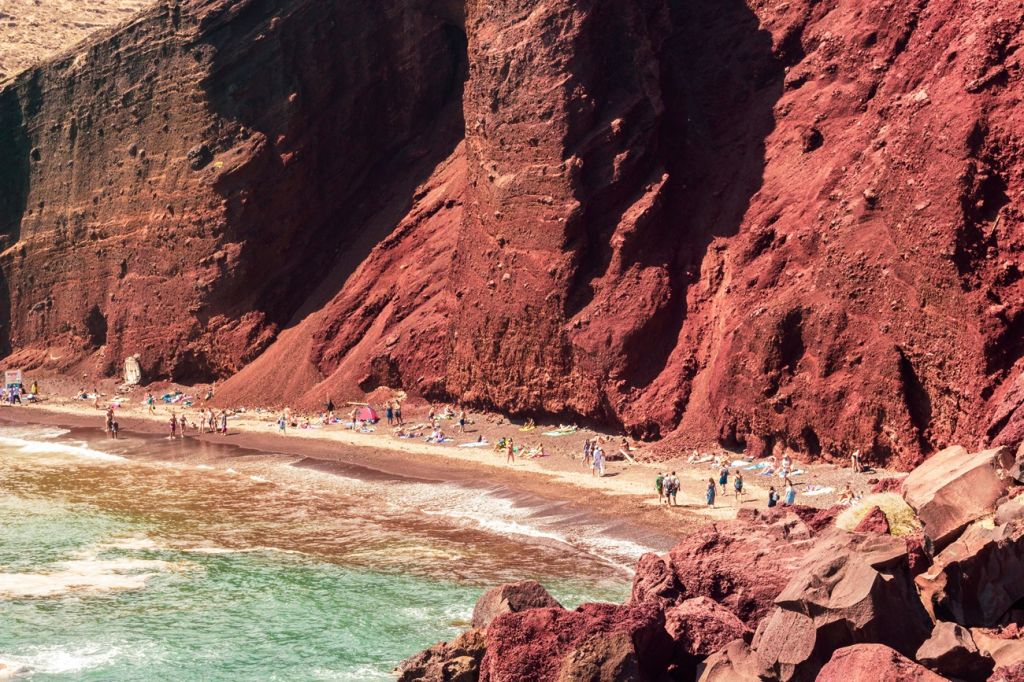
659	485
738	485
723	478
510	452
462	421
790	493
710	495
223	423
184	424
174	425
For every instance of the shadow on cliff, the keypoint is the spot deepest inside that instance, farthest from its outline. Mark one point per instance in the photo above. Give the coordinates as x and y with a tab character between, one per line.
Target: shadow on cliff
720	80
15	169
344	109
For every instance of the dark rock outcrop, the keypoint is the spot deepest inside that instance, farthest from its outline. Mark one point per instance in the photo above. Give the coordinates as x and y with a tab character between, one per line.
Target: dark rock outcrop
979	578
457	661
849	590
952	652
511	598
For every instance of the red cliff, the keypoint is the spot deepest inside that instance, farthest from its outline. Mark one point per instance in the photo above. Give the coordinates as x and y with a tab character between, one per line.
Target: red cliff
744	222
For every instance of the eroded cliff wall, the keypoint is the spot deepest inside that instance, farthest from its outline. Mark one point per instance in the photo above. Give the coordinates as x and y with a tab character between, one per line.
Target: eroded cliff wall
745	222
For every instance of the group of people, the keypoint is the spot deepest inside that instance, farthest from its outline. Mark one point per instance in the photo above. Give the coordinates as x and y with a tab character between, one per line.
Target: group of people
667	486
209	422
593	456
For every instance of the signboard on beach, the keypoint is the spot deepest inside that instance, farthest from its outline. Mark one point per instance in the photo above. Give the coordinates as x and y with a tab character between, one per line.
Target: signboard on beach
12	377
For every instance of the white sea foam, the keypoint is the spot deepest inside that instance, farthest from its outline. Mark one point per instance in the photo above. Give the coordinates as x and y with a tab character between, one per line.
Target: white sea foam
87	573
33	447
68	660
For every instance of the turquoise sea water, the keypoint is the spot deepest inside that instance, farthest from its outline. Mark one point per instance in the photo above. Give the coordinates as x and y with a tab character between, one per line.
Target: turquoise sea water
151	560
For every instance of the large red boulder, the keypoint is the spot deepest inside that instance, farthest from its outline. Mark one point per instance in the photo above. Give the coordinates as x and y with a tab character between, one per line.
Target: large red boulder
655	580
510	598
699	626
850	589
873	662
594	642
951	651
888	485
732	663
979	578
954	488
742	565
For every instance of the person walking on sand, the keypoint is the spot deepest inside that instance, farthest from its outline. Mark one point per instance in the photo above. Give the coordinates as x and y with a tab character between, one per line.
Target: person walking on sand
150	407
672	489
462	420
173	426
588	449
855	462
790	493
510	451
738	485
723	478
223	422
184	424
710	494
659	485
598	467
282	425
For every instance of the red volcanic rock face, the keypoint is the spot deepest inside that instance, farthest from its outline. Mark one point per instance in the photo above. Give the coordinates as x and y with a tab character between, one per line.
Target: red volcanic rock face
596	641
741	222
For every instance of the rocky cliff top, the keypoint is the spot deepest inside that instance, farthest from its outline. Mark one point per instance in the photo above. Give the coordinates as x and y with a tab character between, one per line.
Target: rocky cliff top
33	30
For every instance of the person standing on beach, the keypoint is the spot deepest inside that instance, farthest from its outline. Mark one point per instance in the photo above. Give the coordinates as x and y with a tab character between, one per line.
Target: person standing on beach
773	497
389	413
790	493
723	478
659	485
174	426
223	422
398	412
588	447
282	425
114	428
149	403
738	485
710	495
598	466
108	424
184	424
671	489
510	451
462	420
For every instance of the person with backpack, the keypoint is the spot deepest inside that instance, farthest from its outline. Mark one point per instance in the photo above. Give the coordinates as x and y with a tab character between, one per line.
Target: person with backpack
671	489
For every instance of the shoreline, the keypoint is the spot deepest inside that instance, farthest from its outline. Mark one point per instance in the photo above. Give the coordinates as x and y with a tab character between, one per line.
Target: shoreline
625	496
626	510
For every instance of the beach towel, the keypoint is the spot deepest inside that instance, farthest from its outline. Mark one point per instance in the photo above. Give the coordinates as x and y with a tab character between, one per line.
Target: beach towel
798	472
818	491
556	433
755	467
740	462
475	444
